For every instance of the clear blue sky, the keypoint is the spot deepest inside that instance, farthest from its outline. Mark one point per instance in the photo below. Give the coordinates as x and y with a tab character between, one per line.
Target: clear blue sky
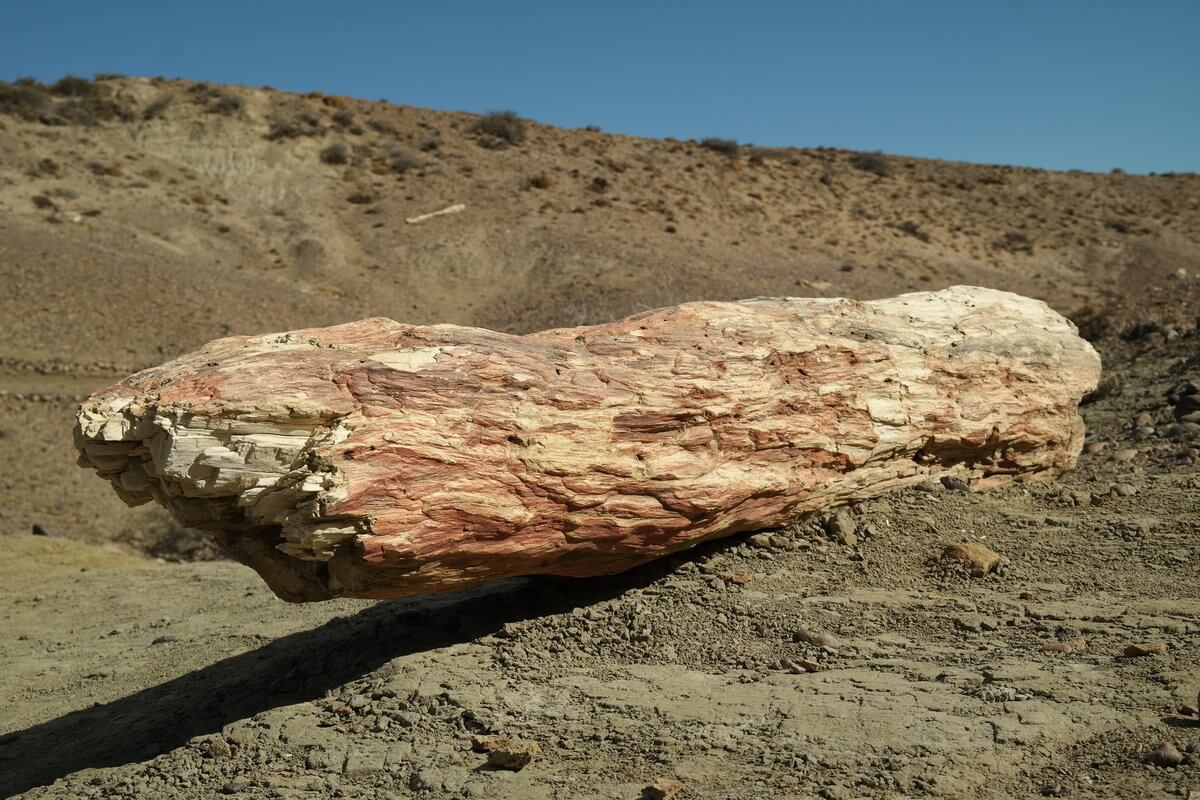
1052	83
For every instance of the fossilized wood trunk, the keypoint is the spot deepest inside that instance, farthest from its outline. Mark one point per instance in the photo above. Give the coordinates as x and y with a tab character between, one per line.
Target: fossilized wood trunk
376	459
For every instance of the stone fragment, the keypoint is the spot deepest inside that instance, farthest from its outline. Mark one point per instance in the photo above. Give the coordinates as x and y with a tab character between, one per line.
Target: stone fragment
662	789
378	460
506	753
1076	645
979	559
1165	755
1140	649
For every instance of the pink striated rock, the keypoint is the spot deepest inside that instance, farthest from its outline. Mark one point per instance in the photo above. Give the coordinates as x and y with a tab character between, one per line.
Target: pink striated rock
376	459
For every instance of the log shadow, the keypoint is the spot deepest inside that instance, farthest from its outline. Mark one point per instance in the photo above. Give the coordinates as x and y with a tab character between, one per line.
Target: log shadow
295	668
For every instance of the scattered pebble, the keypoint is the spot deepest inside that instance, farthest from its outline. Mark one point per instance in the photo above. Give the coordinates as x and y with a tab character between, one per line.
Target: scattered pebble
38	530
1123	489
979	559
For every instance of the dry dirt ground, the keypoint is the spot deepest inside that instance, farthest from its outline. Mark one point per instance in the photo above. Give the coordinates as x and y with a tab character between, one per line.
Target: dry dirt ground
135	665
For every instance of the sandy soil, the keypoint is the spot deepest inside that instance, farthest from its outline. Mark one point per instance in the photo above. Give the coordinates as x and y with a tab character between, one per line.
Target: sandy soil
130	675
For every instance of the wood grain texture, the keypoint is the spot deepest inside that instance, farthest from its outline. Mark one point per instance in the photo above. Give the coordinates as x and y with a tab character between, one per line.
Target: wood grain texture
376	459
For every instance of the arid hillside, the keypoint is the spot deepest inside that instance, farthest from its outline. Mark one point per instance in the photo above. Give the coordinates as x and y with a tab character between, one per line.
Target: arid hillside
188	211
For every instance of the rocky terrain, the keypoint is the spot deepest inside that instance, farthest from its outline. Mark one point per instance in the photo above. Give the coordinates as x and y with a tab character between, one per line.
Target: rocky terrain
842	656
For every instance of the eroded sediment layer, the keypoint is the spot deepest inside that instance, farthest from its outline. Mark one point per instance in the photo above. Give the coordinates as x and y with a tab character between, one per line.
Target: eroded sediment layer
376	459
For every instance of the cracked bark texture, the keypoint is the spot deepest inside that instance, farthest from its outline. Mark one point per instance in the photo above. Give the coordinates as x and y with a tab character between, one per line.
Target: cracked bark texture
377	459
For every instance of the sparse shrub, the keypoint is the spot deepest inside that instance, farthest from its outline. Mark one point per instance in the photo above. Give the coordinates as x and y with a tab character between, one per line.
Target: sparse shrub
504	127
592	128
292	126
43	202
401	160
362	196
430	144
48	166
157	108
1118	225
75	111
912	229
336	153
381	126
343	118
1014	242
24	98
726	147
226	103
539	181
876	163
99	77
73	86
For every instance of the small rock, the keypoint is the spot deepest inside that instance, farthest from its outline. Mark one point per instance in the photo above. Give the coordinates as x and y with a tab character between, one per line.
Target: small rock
1095	447
954	484
166	639
662	789
842	527
819	639
1076	645
236	785
1146	649
1123	489
1143	420
979	559
504	752
38	530
1188	711
761	540
736	578
801	665
1165	755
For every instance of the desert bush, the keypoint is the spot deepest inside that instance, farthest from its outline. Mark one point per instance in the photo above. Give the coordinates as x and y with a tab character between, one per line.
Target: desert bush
73	86
226	103
726	147
336	153
157	108
100	77
76	111
503	126
43	202
1014	242
876	163
430	144
401	160
381	126
293	125
343	118
539	181
24	98
912	229
362	196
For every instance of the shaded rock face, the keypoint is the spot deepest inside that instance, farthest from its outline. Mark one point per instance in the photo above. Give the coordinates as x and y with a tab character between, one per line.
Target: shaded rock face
376	459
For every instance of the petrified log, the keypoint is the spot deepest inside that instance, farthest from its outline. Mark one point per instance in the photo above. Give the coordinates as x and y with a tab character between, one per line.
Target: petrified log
376	459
